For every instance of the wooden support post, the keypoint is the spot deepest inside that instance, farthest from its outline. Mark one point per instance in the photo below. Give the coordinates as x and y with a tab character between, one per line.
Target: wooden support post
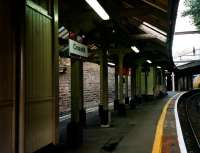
121	108
116	101
132	101
126	90
82	113
103	108
74	128
138	83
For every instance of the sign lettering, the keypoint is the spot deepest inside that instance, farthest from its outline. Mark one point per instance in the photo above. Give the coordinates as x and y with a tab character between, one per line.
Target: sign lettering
78	48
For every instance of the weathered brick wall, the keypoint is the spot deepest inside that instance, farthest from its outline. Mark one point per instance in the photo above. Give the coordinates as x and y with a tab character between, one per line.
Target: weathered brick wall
65	87
91	84
91	73
111	84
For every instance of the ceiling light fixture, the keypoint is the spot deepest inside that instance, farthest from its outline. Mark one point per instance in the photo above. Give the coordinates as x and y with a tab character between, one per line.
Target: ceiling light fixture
148	61
158	67
98	9
135	49
111	64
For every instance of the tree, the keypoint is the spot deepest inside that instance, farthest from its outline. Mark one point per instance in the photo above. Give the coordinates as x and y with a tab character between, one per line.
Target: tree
193	10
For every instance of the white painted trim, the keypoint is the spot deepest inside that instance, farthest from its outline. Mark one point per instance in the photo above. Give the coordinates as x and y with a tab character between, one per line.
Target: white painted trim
178	128
89	110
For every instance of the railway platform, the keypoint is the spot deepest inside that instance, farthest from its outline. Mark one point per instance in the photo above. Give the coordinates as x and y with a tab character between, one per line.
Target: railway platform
134	133
166	137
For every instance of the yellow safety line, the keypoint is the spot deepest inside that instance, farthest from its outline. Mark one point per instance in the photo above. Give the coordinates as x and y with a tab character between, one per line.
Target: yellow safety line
157	145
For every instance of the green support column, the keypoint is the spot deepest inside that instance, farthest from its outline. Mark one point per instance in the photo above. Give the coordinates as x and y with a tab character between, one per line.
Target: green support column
185	83
75	90
179	84
116	101
158	82
161	78
188	86
103	107
132	84
190	82
74	129
150	82
121	108
82	113
138	83
126	90
132	101
146	83
173	81
155	81
162	82
191	79
139	80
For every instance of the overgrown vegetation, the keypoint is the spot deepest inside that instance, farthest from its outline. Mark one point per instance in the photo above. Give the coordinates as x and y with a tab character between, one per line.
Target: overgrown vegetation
193	10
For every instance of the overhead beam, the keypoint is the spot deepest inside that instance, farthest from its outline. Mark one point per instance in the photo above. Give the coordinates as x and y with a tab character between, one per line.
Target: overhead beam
142	36
153	32
186	61
164	44
149	30
160	23
148	37
189	65
187	32
146	11
134	11
152	8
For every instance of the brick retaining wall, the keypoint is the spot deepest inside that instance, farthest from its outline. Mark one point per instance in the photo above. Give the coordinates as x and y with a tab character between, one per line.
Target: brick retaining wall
91	74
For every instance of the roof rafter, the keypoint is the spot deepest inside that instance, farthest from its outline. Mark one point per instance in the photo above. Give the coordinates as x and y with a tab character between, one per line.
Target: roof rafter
152	8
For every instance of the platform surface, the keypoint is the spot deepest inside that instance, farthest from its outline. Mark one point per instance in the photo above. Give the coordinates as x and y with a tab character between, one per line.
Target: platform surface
170	142
131	134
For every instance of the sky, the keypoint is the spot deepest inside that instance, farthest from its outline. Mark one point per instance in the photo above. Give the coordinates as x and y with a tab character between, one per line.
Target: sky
183	44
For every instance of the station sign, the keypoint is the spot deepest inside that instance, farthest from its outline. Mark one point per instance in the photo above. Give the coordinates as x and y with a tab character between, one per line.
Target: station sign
78	48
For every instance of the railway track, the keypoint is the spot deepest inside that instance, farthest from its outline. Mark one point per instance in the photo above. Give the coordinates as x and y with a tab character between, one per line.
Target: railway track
189	115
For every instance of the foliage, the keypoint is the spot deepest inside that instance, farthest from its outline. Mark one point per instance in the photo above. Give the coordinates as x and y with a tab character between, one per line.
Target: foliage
193	10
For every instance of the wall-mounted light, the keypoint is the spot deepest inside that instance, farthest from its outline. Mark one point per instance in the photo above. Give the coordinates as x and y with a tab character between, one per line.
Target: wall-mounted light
98	9
135	49
149	61
158	67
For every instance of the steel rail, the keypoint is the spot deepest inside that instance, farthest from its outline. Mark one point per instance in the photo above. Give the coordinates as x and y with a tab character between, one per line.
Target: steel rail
190	123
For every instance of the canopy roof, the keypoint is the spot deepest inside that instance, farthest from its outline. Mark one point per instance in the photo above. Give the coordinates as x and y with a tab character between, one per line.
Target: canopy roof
146	24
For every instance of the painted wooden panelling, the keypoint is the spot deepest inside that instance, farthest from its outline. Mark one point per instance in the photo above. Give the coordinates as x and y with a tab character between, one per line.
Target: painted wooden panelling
39	101
6	126
7	86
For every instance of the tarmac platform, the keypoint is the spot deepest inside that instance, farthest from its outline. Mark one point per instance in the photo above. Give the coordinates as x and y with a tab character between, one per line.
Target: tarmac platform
134	133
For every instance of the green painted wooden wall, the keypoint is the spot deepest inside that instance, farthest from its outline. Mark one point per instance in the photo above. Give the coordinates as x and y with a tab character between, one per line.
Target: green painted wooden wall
39	92
7	80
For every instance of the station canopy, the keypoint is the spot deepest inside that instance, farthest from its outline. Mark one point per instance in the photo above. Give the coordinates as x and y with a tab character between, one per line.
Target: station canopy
145	24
